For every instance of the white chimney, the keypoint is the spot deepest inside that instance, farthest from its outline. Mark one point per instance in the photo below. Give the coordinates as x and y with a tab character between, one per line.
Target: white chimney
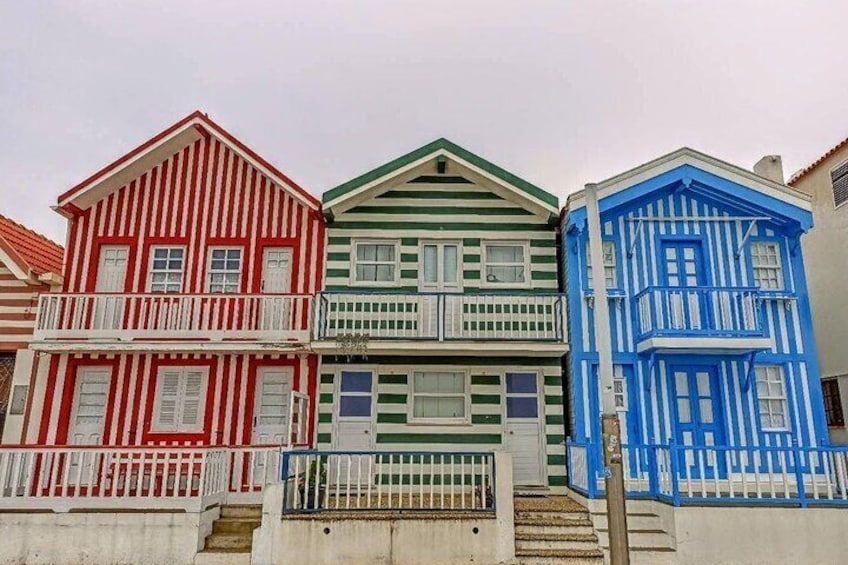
771	167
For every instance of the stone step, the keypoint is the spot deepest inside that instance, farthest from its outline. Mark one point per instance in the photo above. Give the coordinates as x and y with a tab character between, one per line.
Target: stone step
576	527
235	525
519	514
557	556
222	557
556	541
552	521
242	511
230	541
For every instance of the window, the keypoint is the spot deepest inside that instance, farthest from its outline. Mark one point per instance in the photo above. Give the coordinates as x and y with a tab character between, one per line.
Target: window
619	388
771	393
839	180
438	396
166	269
17	403
522	395
832	403
505	264
375	262
609	264
225	270
767	266
355	394
180	399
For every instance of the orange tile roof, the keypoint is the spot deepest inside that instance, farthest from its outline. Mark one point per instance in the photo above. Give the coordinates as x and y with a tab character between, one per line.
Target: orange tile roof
39	254
797	176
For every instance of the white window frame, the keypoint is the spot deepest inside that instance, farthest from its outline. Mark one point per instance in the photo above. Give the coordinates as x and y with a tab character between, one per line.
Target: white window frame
411	418
783	398
614	265
781	275
484	263
210	271
354	245
440	262
151	269
619	376
177	427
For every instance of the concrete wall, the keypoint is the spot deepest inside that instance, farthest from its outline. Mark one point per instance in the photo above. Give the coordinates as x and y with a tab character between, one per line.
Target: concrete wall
82	538
363	541
826	263
753	536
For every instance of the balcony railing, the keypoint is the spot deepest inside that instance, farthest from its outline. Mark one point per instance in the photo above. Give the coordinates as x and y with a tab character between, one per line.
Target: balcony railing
274	317
698	312
699	474
441	317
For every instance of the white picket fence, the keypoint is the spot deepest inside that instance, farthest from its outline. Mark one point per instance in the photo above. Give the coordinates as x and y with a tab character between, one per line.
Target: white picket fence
64	478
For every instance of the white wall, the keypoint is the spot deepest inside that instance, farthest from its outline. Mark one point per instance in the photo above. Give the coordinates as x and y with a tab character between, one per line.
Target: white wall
82	538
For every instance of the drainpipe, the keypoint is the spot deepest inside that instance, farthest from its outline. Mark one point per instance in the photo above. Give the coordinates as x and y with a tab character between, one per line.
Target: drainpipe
611	445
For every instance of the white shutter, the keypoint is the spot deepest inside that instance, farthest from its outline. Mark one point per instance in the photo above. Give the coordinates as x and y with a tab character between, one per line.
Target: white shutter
192	399
168	397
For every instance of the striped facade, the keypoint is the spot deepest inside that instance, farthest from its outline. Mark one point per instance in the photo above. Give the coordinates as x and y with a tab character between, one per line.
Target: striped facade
436	198
18	309
207	190
695	211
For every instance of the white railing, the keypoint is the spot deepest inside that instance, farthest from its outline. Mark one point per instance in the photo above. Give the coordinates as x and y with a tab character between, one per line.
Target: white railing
701	311
388	481
202	316
442	317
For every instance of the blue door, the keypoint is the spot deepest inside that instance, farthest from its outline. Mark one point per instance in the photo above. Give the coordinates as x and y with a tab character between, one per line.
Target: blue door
684	309
699	420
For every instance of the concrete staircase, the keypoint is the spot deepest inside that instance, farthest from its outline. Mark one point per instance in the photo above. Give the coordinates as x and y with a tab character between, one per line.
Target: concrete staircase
647	536
232	536
554	529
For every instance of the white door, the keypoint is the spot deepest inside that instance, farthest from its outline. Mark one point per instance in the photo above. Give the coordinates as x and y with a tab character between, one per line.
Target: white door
111	277
272	406
441	273
89	415
276	279
523	428
354	429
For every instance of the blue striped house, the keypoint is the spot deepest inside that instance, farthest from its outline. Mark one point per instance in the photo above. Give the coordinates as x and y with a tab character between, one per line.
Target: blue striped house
710	318
441	328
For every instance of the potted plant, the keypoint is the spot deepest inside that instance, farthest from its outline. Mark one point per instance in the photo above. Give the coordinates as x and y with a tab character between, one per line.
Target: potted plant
318	468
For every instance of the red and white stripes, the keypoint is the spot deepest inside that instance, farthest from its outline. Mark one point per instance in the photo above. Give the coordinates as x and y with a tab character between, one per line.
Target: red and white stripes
18	308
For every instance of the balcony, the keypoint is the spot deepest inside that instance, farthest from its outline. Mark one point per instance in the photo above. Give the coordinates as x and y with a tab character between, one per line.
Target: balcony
505	324
699	320
226	320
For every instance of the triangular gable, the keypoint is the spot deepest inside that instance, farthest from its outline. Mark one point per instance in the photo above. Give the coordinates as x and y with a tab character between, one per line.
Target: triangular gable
160	147
701	173
28	254
410	165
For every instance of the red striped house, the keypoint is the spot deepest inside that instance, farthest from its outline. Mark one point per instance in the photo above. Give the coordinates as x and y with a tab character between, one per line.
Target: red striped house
30	264
184	316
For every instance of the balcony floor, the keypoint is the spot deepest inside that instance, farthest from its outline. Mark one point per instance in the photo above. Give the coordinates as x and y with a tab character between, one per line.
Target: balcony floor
684	345
448	348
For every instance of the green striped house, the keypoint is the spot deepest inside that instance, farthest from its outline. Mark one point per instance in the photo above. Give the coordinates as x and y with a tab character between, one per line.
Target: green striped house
441	328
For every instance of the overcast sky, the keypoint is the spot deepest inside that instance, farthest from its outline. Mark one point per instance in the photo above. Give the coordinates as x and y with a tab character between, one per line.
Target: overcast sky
560	93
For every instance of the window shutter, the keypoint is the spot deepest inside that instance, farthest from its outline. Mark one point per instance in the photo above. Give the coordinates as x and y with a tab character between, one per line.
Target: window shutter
191	399
169	395
839	178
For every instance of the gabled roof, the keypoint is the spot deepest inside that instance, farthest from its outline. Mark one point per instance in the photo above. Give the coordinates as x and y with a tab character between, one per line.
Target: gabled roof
441	146
31	252
714	177
809	168
161	146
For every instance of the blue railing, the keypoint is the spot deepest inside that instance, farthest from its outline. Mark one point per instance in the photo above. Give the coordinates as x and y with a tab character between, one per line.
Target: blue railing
698	312
388	481
441	316
685	474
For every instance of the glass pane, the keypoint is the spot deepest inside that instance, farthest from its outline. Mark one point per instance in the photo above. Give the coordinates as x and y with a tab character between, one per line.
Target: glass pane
359	381
681	380
521	383
706	406
703	383
385	273
218	253
431	264
504	274
439	383
356	406
684	415
505	253
366	252
522	407
439	407
450	267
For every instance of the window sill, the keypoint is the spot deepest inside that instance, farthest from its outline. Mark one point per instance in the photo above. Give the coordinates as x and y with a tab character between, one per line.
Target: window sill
439	423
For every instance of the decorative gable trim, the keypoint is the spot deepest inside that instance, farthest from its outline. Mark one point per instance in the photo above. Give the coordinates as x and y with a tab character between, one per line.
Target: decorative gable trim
439	149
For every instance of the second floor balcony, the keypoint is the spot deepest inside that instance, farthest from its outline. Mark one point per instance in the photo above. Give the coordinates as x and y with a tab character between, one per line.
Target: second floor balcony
699	319
235	319
504	323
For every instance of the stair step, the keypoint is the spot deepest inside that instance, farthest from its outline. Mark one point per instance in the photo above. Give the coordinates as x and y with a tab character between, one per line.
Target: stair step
521	514
230	541
580	527
242	511
558	556
586	542
235	525
552	521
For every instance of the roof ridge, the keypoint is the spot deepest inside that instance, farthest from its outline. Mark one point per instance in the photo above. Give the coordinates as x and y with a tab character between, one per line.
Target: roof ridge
39	235
803	171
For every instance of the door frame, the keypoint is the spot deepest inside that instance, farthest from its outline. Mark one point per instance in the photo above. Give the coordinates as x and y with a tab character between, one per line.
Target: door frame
77	370
289	369
94	265
256	262
540	420
440	262
701	240
716	394
263	250
337	389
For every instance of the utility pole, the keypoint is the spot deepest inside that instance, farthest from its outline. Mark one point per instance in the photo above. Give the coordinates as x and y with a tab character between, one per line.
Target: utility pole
611	445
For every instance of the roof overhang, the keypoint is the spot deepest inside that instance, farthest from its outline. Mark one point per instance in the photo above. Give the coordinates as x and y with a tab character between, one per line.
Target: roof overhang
698	171
407	167
159	148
